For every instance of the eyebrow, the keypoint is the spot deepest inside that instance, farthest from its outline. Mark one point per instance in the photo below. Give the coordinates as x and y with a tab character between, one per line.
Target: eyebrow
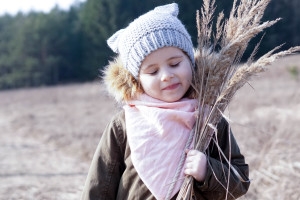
174	57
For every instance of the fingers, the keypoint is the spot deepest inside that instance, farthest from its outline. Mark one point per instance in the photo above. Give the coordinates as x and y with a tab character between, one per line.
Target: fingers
193	154
191	170
188	171
195	164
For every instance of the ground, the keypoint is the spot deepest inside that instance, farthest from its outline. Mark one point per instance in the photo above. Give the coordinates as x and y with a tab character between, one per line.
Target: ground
48	135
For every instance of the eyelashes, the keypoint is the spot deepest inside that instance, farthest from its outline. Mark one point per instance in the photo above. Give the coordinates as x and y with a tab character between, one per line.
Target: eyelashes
175	65
153	70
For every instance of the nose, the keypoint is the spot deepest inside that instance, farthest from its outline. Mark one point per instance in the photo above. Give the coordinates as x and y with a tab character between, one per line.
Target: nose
166	74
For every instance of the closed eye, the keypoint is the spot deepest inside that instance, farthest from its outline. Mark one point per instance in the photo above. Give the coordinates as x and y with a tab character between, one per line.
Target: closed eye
150	70
153	72
175	64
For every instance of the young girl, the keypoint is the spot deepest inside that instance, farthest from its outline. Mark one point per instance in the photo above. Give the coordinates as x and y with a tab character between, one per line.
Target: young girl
146	150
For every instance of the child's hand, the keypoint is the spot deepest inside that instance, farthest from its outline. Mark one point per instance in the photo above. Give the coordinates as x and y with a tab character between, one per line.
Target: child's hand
195	164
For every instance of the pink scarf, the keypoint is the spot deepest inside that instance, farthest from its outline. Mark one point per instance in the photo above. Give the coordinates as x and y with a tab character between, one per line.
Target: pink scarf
157	134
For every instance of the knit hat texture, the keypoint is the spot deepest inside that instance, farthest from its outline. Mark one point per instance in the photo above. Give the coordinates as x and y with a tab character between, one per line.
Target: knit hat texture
153	30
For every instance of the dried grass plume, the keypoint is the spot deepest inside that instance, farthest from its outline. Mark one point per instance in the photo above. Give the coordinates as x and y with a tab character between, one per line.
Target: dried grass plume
219	74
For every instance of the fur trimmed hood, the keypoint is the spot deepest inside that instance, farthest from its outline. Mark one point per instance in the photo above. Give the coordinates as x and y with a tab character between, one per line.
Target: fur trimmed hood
119	83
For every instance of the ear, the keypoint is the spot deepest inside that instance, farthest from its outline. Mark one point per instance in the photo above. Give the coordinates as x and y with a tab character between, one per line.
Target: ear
113	41
171	9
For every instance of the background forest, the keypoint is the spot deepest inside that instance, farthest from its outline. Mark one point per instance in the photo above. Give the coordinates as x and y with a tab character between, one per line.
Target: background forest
38	49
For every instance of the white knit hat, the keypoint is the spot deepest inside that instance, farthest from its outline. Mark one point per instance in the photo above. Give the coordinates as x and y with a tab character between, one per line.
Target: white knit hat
153	30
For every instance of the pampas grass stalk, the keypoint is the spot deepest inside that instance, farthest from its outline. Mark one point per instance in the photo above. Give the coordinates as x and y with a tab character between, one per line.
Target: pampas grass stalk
218	75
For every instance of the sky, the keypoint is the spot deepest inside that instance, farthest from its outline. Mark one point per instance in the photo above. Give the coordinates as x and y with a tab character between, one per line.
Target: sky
14	6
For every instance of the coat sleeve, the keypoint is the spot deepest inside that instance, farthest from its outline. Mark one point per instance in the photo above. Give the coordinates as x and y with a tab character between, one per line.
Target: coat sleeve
219	171
107	165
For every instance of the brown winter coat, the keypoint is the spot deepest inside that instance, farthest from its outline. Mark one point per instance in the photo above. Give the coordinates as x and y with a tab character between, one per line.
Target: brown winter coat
113	176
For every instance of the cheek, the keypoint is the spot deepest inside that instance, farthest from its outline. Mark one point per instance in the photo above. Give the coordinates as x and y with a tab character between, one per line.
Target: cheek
191	76
147	83
191	71
187	74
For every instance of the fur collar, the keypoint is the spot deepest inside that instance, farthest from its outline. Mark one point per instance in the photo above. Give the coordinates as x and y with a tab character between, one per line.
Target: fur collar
119	82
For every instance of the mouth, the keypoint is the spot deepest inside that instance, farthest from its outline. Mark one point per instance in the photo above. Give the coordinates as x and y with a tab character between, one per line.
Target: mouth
171	87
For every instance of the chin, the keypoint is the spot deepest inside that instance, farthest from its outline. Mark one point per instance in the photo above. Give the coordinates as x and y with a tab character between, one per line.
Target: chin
170	100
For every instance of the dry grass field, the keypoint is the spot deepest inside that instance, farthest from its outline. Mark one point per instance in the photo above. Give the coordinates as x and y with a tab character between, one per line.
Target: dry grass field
48	135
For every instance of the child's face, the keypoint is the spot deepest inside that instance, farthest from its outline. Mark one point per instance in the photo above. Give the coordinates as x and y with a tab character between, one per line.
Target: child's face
166	74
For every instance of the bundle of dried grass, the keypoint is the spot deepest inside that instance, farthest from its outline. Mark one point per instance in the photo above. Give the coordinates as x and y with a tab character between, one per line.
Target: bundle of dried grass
218	75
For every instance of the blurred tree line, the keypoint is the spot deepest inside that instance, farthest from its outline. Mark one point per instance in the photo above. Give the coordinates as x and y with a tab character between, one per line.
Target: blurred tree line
70	46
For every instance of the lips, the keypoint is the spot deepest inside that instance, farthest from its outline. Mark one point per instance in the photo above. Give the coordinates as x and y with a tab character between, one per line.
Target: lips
171	87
